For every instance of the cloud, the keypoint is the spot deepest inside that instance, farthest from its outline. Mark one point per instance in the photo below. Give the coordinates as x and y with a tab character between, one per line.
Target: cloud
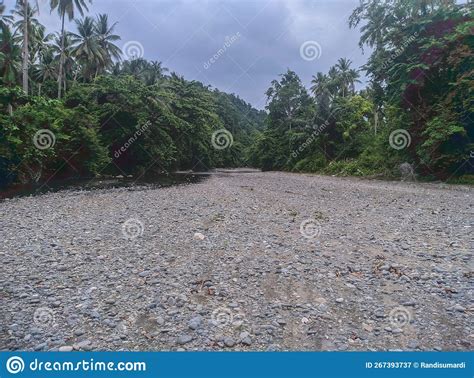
185	34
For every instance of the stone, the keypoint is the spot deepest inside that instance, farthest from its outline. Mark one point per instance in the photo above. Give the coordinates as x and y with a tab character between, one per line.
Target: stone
195	323
184	339
407	172
199	236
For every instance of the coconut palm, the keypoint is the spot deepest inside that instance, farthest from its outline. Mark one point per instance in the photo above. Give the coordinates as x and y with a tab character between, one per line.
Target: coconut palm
10	57
25	13
153	73
39	42
347	76
321	90
46	69
69	62
87	49
5	19
66	7
106	37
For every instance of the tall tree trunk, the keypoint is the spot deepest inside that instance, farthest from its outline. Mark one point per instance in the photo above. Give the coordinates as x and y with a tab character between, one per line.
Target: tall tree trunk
25	47
61	59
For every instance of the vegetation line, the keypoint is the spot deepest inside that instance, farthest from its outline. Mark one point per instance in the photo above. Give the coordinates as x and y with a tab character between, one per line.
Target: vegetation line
72	105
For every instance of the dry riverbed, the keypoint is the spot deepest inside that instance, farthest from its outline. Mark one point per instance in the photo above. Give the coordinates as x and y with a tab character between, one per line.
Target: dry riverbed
240	261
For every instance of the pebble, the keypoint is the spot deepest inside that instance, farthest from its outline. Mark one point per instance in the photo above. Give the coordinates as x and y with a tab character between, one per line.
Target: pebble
250	279
195	322
229	342
184	339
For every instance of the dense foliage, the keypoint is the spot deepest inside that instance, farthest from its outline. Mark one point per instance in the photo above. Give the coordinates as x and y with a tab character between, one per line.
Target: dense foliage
417	108
95	114
71	107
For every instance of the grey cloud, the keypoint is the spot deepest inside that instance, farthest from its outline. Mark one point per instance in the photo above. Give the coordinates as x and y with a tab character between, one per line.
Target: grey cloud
185	34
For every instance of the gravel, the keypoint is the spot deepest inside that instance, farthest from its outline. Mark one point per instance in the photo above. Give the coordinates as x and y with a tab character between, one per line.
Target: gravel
240	261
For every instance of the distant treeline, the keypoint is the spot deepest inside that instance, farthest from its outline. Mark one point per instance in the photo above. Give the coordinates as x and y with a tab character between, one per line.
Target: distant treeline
70	106
418	107
82	111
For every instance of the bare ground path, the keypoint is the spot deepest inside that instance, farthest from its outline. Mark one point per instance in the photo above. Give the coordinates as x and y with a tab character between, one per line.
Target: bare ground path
243	261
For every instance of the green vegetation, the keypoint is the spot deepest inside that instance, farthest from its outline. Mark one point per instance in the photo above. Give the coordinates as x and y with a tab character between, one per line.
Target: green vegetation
417	107
95	114
71	107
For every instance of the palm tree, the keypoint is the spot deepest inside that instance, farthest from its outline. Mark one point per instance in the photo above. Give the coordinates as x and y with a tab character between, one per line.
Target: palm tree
321	90
66	7
68	59
39	42
10	57
46	69
87	48
347	76
5	19
26	13
106	38
153	73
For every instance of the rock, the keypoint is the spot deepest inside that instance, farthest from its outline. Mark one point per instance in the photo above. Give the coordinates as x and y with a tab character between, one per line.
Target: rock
459	308
160	320
65	348
229	342
407	172
199	236
245	338
340	300
184	339
195	322
82	345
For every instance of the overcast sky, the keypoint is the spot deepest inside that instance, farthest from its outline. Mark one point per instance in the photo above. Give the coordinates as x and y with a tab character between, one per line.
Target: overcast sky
252	41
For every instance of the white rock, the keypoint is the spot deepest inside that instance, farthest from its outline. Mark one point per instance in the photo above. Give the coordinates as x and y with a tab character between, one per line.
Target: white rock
199	236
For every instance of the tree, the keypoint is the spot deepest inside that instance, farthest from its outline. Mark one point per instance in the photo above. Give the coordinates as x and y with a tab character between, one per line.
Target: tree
66	7
24	25
106	38
87	49
10	57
